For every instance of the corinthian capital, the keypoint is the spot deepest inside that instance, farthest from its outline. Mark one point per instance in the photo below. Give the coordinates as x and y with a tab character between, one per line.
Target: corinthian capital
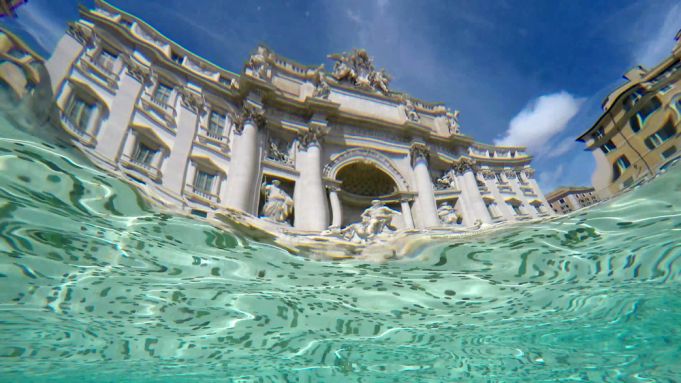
418	151
463	165
313	136
249	113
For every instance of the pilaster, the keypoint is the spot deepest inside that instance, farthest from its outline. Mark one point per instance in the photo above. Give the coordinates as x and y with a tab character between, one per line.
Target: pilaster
427	207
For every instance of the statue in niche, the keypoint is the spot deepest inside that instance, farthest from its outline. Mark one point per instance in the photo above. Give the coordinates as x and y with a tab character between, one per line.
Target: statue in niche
258	64
375	220
410	111
446	181
453	122
448	214
278	204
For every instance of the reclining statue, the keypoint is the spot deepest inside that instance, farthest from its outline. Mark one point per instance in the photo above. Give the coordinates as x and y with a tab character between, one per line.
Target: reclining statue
375	220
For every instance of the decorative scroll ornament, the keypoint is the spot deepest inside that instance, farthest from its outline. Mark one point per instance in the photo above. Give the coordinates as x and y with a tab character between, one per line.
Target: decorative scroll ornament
137	71
410	110
249	113
259	64
453	122
529	173
192	100
357	68
418	151
510	174
487	174
446	181
463	165
308	138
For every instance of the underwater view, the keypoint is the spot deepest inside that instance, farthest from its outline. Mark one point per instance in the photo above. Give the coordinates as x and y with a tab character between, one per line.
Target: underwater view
97	285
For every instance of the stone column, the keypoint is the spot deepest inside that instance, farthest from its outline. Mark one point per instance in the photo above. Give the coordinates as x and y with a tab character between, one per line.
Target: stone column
112	134
406	214
529	175
309	196
187	123
424	185
244	162
336	209
472	203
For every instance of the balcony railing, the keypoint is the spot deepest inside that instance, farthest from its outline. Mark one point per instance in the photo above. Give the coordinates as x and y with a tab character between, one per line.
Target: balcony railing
208	137
504	188
148	170
77	132
93	69
159	110
202	196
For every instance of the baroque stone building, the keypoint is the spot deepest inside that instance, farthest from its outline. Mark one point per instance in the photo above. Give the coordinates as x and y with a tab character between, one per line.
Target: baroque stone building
567	199
312	150
638	133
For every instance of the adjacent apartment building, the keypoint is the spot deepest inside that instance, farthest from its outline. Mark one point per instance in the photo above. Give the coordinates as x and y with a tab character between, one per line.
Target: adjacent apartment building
638	133
298	145
567	199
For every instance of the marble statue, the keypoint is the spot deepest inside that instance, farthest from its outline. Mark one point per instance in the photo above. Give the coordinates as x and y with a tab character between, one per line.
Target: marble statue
322	89
410	111
258	64
453	122
277	151
448	214
358	69
278	204
375	220
446	181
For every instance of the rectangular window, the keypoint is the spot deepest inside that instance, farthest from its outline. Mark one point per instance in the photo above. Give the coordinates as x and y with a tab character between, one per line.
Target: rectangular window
78	113
656	139
176	57
162	93
500	179
106	60
600	132
516	208
619	166
203	182
608	147
633	99
216	125
669	152
143	155
638	120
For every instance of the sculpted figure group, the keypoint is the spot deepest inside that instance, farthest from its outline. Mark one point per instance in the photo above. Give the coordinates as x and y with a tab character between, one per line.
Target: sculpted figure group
358	68
375	220
278	204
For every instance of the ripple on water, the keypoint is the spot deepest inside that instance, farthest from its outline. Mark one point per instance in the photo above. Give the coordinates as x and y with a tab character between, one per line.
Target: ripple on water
99	286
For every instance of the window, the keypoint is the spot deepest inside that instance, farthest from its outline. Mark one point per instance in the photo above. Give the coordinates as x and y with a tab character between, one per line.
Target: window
492	208
600	132
106	60
620	166
516	208
638	120
656	139
669	152
608	147
203	182
499	177
162	93
143	155
176	57
78	113
633	99
216	125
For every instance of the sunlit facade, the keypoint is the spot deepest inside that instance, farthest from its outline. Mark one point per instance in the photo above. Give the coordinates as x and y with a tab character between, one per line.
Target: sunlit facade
196	137
567	199
638	133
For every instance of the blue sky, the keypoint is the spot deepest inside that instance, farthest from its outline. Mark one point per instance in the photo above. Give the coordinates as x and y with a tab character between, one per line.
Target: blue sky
522	72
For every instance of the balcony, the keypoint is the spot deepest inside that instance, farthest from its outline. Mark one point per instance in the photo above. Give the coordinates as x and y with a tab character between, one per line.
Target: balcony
201	196
81	135
159	111
149	170
102	75
207	138
505	188
528	191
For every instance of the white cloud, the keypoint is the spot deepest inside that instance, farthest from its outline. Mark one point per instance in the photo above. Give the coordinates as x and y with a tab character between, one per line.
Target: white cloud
561	148
651	51
41	25
551	179
541	120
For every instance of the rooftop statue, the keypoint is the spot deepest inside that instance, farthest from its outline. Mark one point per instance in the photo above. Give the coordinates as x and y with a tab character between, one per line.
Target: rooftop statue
453	122
278	204
258	63
322	89
410	111
358	69
375	220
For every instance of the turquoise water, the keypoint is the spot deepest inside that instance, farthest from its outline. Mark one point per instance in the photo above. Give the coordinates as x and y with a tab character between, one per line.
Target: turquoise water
97	286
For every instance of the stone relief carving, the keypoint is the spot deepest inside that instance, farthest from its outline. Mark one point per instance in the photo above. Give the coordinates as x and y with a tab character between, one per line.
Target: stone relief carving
81	33
279	151
357	68
192	100
138	71
278	204
410	111
448	214
375	220
258	63
311	137
453	122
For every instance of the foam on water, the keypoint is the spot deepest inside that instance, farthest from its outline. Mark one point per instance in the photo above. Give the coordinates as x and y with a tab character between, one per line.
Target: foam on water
96	286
